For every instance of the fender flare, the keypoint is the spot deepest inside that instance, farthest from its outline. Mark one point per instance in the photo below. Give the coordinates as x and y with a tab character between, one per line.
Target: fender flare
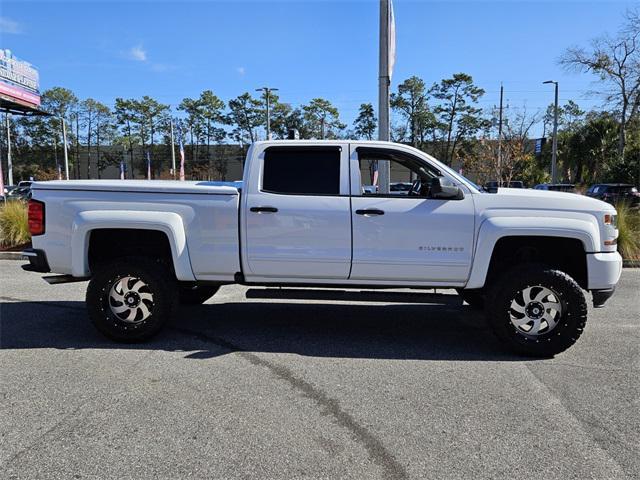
493	229
167	222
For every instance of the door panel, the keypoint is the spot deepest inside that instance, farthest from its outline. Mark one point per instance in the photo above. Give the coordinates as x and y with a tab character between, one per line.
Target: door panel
407	238
308	236
293	235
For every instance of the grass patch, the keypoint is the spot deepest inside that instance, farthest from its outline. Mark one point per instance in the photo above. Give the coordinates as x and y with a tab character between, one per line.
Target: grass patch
628	232
14	224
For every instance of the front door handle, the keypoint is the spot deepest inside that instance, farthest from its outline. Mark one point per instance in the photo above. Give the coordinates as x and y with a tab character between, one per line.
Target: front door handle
370	211
264	209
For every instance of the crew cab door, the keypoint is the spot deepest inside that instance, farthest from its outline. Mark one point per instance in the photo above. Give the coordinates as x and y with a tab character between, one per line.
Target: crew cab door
296	213
404	236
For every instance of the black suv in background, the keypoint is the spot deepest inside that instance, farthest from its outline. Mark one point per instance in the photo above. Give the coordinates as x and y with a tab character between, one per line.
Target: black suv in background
615	192
492	186
556	187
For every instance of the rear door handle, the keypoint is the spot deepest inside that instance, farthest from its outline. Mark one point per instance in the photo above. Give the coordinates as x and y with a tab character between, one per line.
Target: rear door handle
370	211
264	209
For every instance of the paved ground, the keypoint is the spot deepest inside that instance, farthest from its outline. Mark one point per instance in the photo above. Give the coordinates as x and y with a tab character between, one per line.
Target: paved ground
359	385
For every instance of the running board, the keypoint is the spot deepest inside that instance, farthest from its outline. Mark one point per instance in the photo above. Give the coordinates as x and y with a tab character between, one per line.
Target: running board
57	279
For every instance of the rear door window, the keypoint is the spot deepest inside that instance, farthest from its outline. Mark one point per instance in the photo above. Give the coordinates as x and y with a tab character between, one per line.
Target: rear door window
302	171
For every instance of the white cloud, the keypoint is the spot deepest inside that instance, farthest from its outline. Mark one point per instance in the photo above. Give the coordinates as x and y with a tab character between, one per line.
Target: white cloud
241	71
9	26
137	53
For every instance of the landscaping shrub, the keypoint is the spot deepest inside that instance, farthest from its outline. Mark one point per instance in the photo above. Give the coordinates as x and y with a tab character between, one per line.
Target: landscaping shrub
629	232
14	225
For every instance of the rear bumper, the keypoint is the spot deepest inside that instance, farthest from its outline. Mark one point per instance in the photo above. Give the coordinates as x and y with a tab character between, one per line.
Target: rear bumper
37	261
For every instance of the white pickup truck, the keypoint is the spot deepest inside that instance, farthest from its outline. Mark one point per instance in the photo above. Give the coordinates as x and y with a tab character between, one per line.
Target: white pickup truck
303	217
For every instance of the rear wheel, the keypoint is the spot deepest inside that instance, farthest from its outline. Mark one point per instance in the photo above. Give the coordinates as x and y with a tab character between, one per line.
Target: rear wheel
536	310
130	299
196	295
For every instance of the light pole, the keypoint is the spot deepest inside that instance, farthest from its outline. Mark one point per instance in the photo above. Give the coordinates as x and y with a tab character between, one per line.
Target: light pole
267	91
384	81
554	148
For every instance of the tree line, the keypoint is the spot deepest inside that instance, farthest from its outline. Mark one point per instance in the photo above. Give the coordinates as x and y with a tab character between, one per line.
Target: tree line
444	119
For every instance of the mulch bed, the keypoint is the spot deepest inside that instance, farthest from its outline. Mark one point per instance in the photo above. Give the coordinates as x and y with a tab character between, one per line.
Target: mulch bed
15	248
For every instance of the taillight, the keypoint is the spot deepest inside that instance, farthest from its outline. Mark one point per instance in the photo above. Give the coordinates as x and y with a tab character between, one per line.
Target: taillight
36	217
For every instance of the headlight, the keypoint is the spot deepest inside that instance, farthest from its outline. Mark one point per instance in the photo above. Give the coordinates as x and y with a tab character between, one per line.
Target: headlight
611	219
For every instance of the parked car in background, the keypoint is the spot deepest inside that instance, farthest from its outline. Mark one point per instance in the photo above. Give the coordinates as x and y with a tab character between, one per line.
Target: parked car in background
615	192
20	193
25	183
492	186
8	189
557	187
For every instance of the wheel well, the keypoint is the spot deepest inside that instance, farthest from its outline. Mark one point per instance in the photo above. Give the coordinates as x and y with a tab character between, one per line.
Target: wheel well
564	254
109	243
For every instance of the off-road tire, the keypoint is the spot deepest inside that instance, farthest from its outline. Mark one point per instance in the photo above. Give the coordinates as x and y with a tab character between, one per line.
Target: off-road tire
159	282
196	295
474	298
571	321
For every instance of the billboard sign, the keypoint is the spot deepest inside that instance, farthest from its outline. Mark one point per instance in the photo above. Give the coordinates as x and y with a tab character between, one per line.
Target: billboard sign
19	80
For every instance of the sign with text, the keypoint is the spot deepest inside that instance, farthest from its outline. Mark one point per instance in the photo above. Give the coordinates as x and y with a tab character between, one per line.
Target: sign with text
19	80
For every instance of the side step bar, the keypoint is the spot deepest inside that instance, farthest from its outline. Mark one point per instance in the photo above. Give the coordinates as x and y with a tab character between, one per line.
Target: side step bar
57	279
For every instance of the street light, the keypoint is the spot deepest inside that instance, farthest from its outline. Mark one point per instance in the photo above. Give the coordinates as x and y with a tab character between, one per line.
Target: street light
267	91
554	148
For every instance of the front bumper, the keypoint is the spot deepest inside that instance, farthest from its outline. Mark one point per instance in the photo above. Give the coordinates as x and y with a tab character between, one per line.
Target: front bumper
37	261
604	270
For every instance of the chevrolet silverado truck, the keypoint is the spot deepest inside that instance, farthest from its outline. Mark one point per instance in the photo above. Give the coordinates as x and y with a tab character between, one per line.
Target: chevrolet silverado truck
303	218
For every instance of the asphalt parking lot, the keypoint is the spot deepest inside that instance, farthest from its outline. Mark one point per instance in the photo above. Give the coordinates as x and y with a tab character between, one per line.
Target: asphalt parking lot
388	385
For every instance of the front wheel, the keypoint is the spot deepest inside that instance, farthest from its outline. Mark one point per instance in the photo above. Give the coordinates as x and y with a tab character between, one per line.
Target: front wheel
536	310
130	299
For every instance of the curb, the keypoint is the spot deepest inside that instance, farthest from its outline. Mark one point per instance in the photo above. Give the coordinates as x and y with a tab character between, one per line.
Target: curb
631	263
10	255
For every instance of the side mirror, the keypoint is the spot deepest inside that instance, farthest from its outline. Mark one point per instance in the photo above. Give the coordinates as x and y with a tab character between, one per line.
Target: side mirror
444	189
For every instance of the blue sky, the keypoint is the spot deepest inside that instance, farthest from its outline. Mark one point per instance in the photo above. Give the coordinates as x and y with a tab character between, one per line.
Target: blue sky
171	50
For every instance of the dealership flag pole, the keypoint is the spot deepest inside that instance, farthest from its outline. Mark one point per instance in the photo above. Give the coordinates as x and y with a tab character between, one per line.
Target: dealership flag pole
2	181
385	65
173	152
66	155
9	162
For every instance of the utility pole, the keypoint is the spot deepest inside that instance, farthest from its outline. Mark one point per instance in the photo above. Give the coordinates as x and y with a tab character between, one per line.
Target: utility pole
64	141
500	138
9	162
384	81
173	151
554	147
267	92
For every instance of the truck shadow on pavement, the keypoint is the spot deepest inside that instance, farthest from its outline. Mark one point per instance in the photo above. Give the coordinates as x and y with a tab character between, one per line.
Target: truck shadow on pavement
421	327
